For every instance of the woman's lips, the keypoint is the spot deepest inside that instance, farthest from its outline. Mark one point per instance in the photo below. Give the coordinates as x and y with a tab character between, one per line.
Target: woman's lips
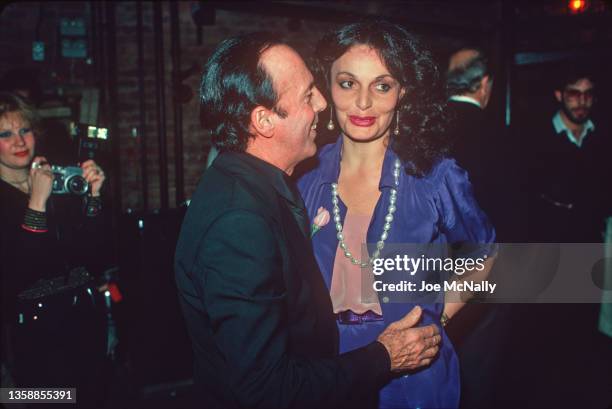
362	120
22	153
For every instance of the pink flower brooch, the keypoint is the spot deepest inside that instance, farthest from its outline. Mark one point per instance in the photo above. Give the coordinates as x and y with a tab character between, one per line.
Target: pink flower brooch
320	220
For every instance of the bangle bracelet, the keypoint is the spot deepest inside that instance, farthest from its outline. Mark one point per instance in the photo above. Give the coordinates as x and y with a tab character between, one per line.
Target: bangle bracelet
444	319
34	221
24	227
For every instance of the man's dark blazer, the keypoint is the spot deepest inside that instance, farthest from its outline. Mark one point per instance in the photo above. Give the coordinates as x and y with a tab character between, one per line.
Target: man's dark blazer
256	307
468	138
471	145
490	157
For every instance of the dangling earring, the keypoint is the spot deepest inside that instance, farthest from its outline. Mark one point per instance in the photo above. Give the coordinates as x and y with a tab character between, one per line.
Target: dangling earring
330	124
396	131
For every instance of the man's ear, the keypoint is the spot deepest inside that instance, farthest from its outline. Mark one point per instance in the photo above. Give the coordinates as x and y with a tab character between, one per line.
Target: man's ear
262	121
558	96
484	85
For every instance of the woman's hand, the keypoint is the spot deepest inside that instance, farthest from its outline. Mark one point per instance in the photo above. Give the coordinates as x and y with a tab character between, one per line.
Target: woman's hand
94	175
41	184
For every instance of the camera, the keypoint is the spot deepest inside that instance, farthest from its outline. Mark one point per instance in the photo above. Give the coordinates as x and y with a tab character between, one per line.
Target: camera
68	180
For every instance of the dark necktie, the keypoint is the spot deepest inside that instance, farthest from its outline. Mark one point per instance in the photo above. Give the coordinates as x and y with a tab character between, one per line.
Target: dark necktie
296	204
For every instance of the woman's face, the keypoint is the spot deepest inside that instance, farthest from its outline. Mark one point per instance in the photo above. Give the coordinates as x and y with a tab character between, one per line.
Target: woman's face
16	141
364	93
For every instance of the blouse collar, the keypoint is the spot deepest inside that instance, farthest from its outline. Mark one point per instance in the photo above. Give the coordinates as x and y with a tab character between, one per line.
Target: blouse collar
330	165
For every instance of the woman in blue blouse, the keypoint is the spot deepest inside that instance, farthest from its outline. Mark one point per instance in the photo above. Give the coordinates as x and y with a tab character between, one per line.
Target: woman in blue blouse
384	181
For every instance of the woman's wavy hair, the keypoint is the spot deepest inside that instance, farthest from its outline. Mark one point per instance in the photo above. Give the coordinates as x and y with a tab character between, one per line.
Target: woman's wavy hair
234	82
422	140
10	102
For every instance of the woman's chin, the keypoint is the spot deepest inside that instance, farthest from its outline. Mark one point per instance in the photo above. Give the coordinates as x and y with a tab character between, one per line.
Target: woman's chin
364	135
20	164
26	163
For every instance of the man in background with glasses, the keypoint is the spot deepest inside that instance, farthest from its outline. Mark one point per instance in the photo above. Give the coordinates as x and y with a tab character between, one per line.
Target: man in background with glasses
576	96
568	168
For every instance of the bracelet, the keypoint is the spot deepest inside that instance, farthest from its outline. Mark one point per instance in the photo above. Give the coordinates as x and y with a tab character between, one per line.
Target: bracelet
34	221
444	319
94	206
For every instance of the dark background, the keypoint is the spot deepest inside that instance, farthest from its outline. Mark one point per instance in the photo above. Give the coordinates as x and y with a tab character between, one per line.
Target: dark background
145	58
527	42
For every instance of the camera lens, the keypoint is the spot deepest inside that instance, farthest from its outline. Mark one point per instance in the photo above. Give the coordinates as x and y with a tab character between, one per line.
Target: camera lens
77	185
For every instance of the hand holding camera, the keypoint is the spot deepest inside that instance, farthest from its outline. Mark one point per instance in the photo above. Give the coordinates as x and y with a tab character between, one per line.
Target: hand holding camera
94	175
46	179
76	180
41	183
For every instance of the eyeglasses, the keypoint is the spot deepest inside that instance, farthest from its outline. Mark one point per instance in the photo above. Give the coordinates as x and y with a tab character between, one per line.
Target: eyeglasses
576	94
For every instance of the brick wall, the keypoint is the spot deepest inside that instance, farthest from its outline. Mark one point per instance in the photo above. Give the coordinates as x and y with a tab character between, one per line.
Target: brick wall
17	33
196	141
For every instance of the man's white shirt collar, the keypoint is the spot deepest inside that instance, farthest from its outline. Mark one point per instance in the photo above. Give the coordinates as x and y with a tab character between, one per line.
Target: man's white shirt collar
463	98
560	127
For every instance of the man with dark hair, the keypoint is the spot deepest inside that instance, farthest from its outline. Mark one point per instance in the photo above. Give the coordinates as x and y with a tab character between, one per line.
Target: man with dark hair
569	201
569	192
575	93
469	85
257	309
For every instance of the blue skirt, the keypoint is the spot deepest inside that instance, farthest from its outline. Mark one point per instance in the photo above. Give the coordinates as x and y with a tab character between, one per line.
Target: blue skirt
436	386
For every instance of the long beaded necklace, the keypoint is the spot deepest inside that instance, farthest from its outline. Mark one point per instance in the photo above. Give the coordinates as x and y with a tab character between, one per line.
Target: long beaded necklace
386	227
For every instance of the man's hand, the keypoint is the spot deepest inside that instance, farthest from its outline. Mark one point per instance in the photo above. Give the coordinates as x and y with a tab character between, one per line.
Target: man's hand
410	348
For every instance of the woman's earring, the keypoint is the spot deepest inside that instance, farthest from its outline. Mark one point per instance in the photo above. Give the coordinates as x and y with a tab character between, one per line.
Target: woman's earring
330	124
396	131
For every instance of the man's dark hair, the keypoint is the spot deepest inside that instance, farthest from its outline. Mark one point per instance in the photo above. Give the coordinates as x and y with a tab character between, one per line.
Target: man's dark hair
467	77
233	84
422	140
571	75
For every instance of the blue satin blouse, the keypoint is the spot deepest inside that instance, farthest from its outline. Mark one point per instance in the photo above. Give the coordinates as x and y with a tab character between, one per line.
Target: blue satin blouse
435	209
